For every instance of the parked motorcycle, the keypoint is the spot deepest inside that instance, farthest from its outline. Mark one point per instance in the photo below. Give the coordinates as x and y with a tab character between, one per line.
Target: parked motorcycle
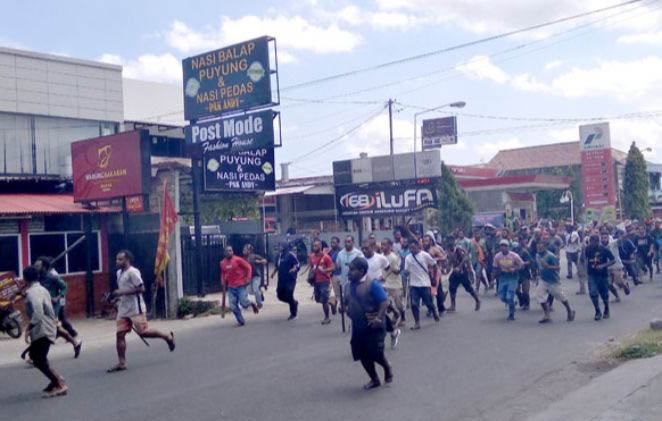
11	321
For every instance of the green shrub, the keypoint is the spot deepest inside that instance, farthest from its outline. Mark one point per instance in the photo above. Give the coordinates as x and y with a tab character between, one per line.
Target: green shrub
188	306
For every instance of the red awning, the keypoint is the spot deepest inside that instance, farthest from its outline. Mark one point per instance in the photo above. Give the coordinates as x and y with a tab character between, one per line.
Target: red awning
44	204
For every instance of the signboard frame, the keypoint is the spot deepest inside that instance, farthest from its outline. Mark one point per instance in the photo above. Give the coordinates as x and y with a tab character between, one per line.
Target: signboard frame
437	132
597	172
377	199
235	103
270	177
104	159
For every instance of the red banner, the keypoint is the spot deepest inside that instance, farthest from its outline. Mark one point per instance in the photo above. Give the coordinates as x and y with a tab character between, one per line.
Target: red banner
168	220
111	166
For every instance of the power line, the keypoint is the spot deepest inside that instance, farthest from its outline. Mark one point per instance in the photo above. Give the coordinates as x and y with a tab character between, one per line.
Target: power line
337	138
310	134
453	48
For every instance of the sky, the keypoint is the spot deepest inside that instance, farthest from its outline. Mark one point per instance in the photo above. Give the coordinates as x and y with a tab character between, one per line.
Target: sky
530	88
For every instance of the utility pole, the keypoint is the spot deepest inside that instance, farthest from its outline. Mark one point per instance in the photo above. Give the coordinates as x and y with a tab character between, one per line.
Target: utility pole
390	130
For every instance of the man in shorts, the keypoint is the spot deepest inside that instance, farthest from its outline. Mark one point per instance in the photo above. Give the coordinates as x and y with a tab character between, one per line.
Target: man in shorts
393	287
461	275
549	283
131	308
321	267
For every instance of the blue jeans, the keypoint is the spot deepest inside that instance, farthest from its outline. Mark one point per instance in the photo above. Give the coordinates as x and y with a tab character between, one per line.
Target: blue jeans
238	296
254	289
418	293
507	288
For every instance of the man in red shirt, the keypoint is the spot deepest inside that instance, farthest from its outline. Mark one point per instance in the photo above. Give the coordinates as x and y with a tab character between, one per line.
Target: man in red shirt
235	275
321	267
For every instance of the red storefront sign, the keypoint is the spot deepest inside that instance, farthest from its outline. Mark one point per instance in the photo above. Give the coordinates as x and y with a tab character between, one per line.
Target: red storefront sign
598	179
135	204
111	166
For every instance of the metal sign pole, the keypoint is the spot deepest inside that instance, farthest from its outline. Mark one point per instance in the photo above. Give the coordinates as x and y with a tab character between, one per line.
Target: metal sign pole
196	185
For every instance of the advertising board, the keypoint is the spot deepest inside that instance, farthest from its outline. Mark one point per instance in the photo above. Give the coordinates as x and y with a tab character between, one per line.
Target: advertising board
385	198
405	166
232	78
439	131
232	134
251	170
10	287
597	170
112	166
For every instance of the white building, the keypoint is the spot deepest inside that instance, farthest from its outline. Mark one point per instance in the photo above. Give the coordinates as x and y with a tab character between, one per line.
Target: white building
47	102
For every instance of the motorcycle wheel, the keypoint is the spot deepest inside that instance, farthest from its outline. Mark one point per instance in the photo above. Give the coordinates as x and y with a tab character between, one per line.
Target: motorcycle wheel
13	329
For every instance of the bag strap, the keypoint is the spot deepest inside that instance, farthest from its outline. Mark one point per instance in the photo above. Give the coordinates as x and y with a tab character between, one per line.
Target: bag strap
422	267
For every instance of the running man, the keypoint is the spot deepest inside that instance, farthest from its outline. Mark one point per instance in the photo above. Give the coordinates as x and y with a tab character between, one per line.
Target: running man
550	283
345	257
287	269
419	264
257	263
645	251
321	266
393	284
615	271
236	274
335	275
57	288
366	306
41	331
599	260
507	265
460	275
131	308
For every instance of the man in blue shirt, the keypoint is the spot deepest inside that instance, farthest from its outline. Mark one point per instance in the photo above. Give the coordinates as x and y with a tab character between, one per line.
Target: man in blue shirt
550	284
366	306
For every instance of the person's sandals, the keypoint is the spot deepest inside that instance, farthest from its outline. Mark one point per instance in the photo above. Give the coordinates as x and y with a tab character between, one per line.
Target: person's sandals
544	321
116	368
326	321
416	327
77	348
57	391
372	384
571	315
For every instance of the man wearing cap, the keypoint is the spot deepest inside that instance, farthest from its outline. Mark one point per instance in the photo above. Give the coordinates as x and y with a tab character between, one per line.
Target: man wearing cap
507	265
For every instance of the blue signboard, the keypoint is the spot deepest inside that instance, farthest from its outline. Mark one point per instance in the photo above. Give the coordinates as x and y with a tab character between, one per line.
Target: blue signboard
439	131
227	80
233	134
251	170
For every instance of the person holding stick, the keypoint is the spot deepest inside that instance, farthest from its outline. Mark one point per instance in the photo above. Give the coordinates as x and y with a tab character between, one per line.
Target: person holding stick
41	330
131	308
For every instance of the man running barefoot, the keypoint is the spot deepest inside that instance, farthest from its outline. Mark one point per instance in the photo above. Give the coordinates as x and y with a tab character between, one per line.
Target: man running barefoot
599	260
131	308
393	283
615	271
550	284
321	266
41	331
366	306
378	265
460	275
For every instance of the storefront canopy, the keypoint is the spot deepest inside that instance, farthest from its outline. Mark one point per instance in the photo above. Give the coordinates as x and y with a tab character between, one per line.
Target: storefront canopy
45	204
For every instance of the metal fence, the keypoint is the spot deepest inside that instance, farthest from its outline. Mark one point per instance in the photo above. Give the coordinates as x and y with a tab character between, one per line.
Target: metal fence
207	277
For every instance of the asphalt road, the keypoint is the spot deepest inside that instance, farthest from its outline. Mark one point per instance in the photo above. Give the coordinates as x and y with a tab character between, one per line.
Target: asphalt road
470	366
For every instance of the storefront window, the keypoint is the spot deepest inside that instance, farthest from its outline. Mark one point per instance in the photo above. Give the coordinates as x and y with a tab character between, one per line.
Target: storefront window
52	244
9	250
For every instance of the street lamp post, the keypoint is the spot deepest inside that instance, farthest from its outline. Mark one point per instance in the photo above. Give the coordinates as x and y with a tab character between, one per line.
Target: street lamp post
567	197
458	104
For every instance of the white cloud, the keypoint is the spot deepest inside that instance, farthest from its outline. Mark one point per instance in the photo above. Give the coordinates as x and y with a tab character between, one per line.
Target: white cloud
292	33
392	20
647	134
553	64
373	137
650	38
528	83
350	14
157	68
480	67
612	78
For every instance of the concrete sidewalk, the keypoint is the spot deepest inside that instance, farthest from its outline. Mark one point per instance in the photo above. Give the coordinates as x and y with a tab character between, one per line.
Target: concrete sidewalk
630	392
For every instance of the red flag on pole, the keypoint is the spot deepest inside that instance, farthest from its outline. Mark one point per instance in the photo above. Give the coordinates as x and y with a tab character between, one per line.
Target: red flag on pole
168	223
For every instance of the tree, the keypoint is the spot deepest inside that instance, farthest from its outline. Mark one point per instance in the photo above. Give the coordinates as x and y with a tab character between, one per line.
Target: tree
635	186
455	209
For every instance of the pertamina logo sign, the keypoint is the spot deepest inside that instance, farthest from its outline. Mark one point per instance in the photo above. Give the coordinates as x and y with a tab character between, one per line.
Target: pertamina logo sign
594	137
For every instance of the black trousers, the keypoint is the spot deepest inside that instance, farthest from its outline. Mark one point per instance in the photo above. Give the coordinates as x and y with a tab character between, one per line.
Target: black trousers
39	356
65	322
285	293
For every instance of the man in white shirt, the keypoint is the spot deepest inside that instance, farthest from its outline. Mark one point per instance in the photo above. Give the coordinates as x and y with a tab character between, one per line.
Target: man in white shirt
131	308
419	264
377	263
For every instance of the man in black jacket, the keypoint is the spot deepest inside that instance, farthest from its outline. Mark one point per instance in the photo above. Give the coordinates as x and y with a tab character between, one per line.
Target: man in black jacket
287	268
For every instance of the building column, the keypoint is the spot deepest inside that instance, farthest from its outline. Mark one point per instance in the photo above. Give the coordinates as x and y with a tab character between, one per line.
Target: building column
23	230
